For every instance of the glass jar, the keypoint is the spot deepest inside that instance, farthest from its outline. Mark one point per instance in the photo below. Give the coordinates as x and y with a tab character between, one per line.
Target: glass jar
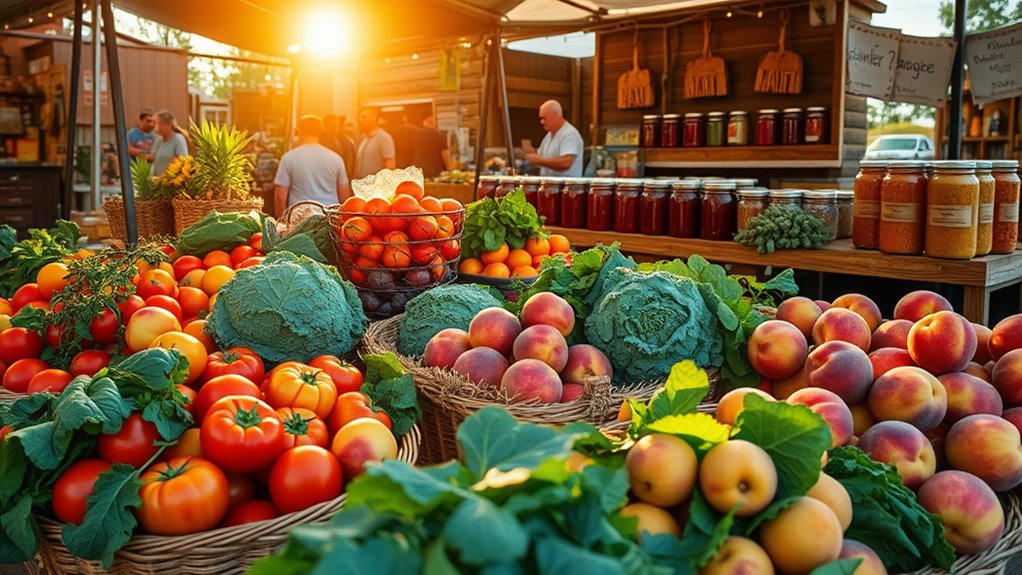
627	196
902	208
793	128
487	187
695	130
823	205
505	185
683	216
738	128
817	127
751	203
654	206
548	199
985	225
1006	192
715	129
866	210
745	183
651	131
952	210
573	202
600	215
719	211
669	131
790	198
766	128
530	185
845	213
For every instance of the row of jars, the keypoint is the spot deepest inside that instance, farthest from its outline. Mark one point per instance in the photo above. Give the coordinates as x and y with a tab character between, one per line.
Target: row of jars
788	127
945	209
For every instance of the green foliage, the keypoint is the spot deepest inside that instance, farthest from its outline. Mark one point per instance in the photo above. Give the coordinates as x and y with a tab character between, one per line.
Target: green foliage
146	188
439	308
21	261
489	222
782	228
982	15
838	567
392	389
310	238
222	167
108	521
216	231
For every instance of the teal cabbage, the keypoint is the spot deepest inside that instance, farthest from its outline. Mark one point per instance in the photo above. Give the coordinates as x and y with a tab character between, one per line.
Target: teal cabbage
442	307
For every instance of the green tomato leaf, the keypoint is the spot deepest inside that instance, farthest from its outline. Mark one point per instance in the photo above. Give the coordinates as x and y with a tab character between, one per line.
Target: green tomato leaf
25	411
700	430
686	386
13	466
554	555
43	445
396	487
484	533
149	370
108	522
436	561
170	417
838	567
492	438
84	401
19	525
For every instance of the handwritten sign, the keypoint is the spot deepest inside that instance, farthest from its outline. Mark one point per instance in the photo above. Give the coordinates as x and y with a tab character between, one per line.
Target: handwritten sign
872	60
923	71
994	59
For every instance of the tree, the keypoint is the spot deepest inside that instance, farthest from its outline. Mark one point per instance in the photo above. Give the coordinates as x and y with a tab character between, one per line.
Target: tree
982	14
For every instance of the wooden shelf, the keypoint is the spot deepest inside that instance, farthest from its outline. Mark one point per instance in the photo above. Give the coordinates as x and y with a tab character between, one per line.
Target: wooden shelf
807	156
987	139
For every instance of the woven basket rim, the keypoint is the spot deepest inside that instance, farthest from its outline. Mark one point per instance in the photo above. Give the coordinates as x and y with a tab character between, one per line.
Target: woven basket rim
993	560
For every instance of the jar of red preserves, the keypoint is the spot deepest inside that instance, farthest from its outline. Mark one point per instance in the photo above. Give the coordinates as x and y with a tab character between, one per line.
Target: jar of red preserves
669	130
719	211
530	185
600	206
487	187
653	207
651	131
695	130
683	215
766	128
627	196
505	185
573	202
792	127
548	200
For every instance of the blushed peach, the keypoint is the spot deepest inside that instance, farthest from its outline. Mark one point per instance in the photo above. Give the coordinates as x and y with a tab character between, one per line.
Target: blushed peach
916	305
739	556
904	447
662	469
482	365
911	395
988	447
495	328
968	395
840	324
733	403
824	305
862	305
831	408
862	418
1007	378
942	342
571	392
545	308
777	349
871	562
969	509
585	361
887	358
782	388
976	370
840	367
738	472
892	333
982	343
542	342
532	379
831	493
801	312
444	348
1014	417
1006	336
651	519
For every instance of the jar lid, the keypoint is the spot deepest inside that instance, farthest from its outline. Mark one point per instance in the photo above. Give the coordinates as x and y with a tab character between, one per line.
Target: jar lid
651	117
716	114
873	164
745	182
738	113
671	116
754	193
820	194
657	184
629	183
488	179
984	165
687	185
785	194
845	195
768	111
575	181
906	165
793	110
719	186
694	115
507	179
953	165
816	109
551	181
1004	165
602	182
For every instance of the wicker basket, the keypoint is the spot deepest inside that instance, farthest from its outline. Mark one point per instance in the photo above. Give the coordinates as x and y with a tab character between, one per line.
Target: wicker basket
224	551
8	396
188	211
994	560
447	399
152	217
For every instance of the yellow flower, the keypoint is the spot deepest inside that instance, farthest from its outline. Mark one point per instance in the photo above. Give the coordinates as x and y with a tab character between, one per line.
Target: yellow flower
178	181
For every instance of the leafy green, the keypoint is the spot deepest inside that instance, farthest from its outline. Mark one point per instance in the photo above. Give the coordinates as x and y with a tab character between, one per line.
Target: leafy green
217	231
838	567
490	222
887	517
310	238
149	379
783	228
108	521
771	292
494	440
392	389
439	308
20	262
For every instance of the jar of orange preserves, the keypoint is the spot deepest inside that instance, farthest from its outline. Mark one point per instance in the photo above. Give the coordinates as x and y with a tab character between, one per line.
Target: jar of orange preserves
1006	193
952	210
903	208
866	206
985	225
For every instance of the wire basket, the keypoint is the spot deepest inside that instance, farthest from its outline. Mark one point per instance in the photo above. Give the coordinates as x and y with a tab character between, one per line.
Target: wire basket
393	257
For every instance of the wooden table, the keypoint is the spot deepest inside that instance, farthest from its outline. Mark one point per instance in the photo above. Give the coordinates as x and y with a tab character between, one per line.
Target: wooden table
979	276
464	193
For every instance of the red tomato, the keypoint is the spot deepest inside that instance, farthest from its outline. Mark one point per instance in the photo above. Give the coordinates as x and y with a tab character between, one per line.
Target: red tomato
218	388
189	398
293	384
252	261
168	303
4	431
251	512
302	427
431	205
241	253
156	282
237	360
51	380
346	377
242	434
89	362
133	444
181	496
256	241
104	327
74	487
241	489
351	406
185	264
188	445
411	188
166	249
303	477
41	304
54	333
25	294
19	343
405	204
19	374
194	302
217	258
129	306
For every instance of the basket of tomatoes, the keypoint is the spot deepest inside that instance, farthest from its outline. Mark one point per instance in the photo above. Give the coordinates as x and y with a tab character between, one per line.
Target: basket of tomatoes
394	248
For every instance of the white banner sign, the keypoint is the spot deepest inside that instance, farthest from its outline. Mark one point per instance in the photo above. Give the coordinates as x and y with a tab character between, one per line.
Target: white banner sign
872	59
924	70
994	60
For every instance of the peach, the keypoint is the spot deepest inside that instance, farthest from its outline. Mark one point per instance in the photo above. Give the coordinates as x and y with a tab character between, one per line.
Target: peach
970	511
571	392
733	403
577	462
496	328
976	370
532	379
988	447
1014	416
904	447
585	361
1006	336
652	520
444	348
862	418
782	388
777	349
661	469
916	305
1007	377
738	555
738	472
801	312
871	562
892	333
824	305
482	365
862	305
831	408
937	436
545	308
911	395
942	342
785	541
982	343
840	367
831	493
544	343
361	441
968	395
887	358
840	324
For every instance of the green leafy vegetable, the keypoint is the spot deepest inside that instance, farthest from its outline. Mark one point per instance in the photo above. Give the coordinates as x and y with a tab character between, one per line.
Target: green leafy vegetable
838	567
392	389
217	231
20	262
108	521
439	308
490	222
783	228
310	238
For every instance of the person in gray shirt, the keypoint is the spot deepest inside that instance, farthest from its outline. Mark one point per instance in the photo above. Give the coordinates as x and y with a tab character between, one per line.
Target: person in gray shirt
375	150
310	172
170	142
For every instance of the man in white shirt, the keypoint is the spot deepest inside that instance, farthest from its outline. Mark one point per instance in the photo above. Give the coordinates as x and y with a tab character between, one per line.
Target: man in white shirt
311	171
560	153
375	150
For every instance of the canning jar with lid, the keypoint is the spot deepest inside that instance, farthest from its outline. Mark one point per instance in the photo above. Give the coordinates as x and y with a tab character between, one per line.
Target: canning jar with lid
548	200
653	207
683	216
505	185
952	210
985	225
866	209
845	213
530	185
715	129
823	205
601	204
1006	193
766	127
669	131
626	206
487	186
745	183
695	130
719	211
573	202
738	128
751	203
792	131
651	131
789	198
903	208
817	130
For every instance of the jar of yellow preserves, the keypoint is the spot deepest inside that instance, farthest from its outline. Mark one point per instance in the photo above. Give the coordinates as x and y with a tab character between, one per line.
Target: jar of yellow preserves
985	228
903	209
952	210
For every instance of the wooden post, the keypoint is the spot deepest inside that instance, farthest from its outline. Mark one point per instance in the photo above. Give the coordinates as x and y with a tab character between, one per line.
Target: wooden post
505	106
954	128
484	117
72	113
113	65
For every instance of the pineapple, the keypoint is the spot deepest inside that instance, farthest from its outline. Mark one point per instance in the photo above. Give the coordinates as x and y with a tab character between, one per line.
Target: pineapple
146	187
222	169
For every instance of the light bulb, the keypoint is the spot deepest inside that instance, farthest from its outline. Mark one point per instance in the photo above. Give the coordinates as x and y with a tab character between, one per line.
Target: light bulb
7	26
759	14
415	56
49	14
386	60
729	14
31	19
267	78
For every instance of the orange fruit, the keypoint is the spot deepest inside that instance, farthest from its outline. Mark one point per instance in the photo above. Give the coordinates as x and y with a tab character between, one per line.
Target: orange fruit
405	204
497	270
518	258
538	246
216	258
51	278
538	260
7	309
525	272
215	277
471	266
394	257
497	256
410	188
353	205
559	244
192	279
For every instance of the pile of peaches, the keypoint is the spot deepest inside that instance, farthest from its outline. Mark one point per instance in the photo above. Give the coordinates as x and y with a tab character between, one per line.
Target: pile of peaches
528	358
928	392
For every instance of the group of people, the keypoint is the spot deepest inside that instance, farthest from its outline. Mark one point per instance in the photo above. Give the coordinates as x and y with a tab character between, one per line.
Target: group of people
157	138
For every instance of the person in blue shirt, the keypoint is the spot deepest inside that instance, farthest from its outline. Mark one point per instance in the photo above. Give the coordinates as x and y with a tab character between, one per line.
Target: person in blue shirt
140	138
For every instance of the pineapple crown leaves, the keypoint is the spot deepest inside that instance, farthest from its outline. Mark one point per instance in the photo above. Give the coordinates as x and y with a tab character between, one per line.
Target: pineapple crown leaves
222	168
